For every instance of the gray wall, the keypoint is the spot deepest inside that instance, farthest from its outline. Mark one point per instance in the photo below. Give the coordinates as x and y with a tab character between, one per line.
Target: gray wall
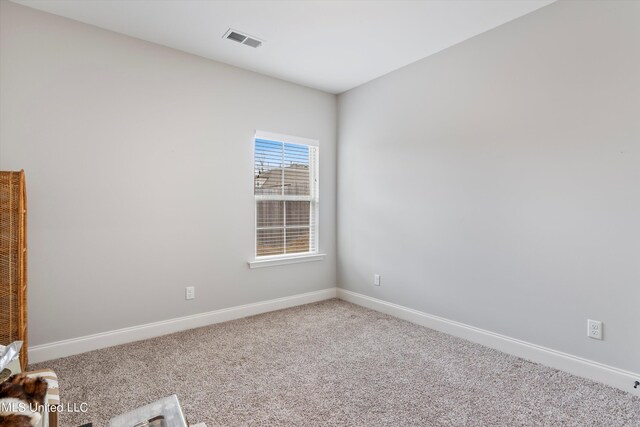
496	182
139	175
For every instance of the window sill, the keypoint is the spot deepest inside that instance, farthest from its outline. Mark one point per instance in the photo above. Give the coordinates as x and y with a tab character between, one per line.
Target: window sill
259	263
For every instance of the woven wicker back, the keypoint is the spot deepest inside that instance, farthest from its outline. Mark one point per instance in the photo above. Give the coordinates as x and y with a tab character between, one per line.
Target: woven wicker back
13	261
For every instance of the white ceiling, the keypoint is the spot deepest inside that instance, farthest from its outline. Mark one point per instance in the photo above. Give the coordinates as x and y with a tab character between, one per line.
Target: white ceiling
328	45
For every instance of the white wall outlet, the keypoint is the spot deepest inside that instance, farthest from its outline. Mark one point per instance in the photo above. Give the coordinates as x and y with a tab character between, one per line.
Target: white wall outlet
594	329
376	280
189	292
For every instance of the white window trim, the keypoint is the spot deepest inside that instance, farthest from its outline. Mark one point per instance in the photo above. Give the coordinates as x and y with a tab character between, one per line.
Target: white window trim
275	260
284	260
287	139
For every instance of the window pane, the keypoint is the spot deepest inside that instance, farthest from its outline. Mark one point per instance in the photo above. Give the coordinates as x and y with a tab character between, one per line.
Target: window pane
297	240
269	213
270	242
282	170
298	213
268	167
296	170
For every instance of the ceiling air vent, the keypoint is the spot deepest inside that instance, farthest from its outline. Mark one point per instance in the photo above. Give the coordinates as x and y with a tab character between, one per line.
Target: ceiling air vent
243	38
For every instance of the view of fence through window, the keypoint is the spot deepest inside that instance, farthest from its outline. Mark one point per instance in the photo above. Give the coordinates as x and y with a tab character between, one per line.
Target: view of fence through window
285	190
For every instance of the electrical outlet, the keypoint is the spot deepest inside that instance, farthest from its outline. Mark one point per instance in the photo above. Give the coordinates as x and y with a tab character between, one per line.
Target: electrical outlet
189	292
376	280
594	329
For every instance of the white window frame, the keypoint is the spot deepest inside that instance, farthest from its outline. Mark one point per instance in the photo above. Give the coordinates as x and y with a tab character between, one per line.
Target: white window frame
314	198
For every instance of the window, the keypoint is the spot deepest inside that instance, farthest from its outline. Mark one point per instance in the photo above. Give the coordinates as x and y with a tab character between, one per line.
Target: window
286	195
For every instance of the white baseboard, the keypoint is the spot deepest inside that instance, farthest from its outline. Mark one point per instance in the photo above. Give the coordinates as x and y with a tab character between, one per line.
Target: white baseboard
54	350
575	365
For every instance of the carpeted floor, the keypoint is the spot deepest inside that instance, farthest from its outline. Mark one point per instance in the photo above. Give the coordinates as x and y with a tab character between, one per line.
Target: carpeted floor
333	364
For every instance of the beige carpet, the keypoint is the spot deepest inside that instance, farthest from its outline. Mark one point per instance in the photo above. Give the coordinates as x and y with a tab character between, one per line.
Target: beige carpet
333	364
